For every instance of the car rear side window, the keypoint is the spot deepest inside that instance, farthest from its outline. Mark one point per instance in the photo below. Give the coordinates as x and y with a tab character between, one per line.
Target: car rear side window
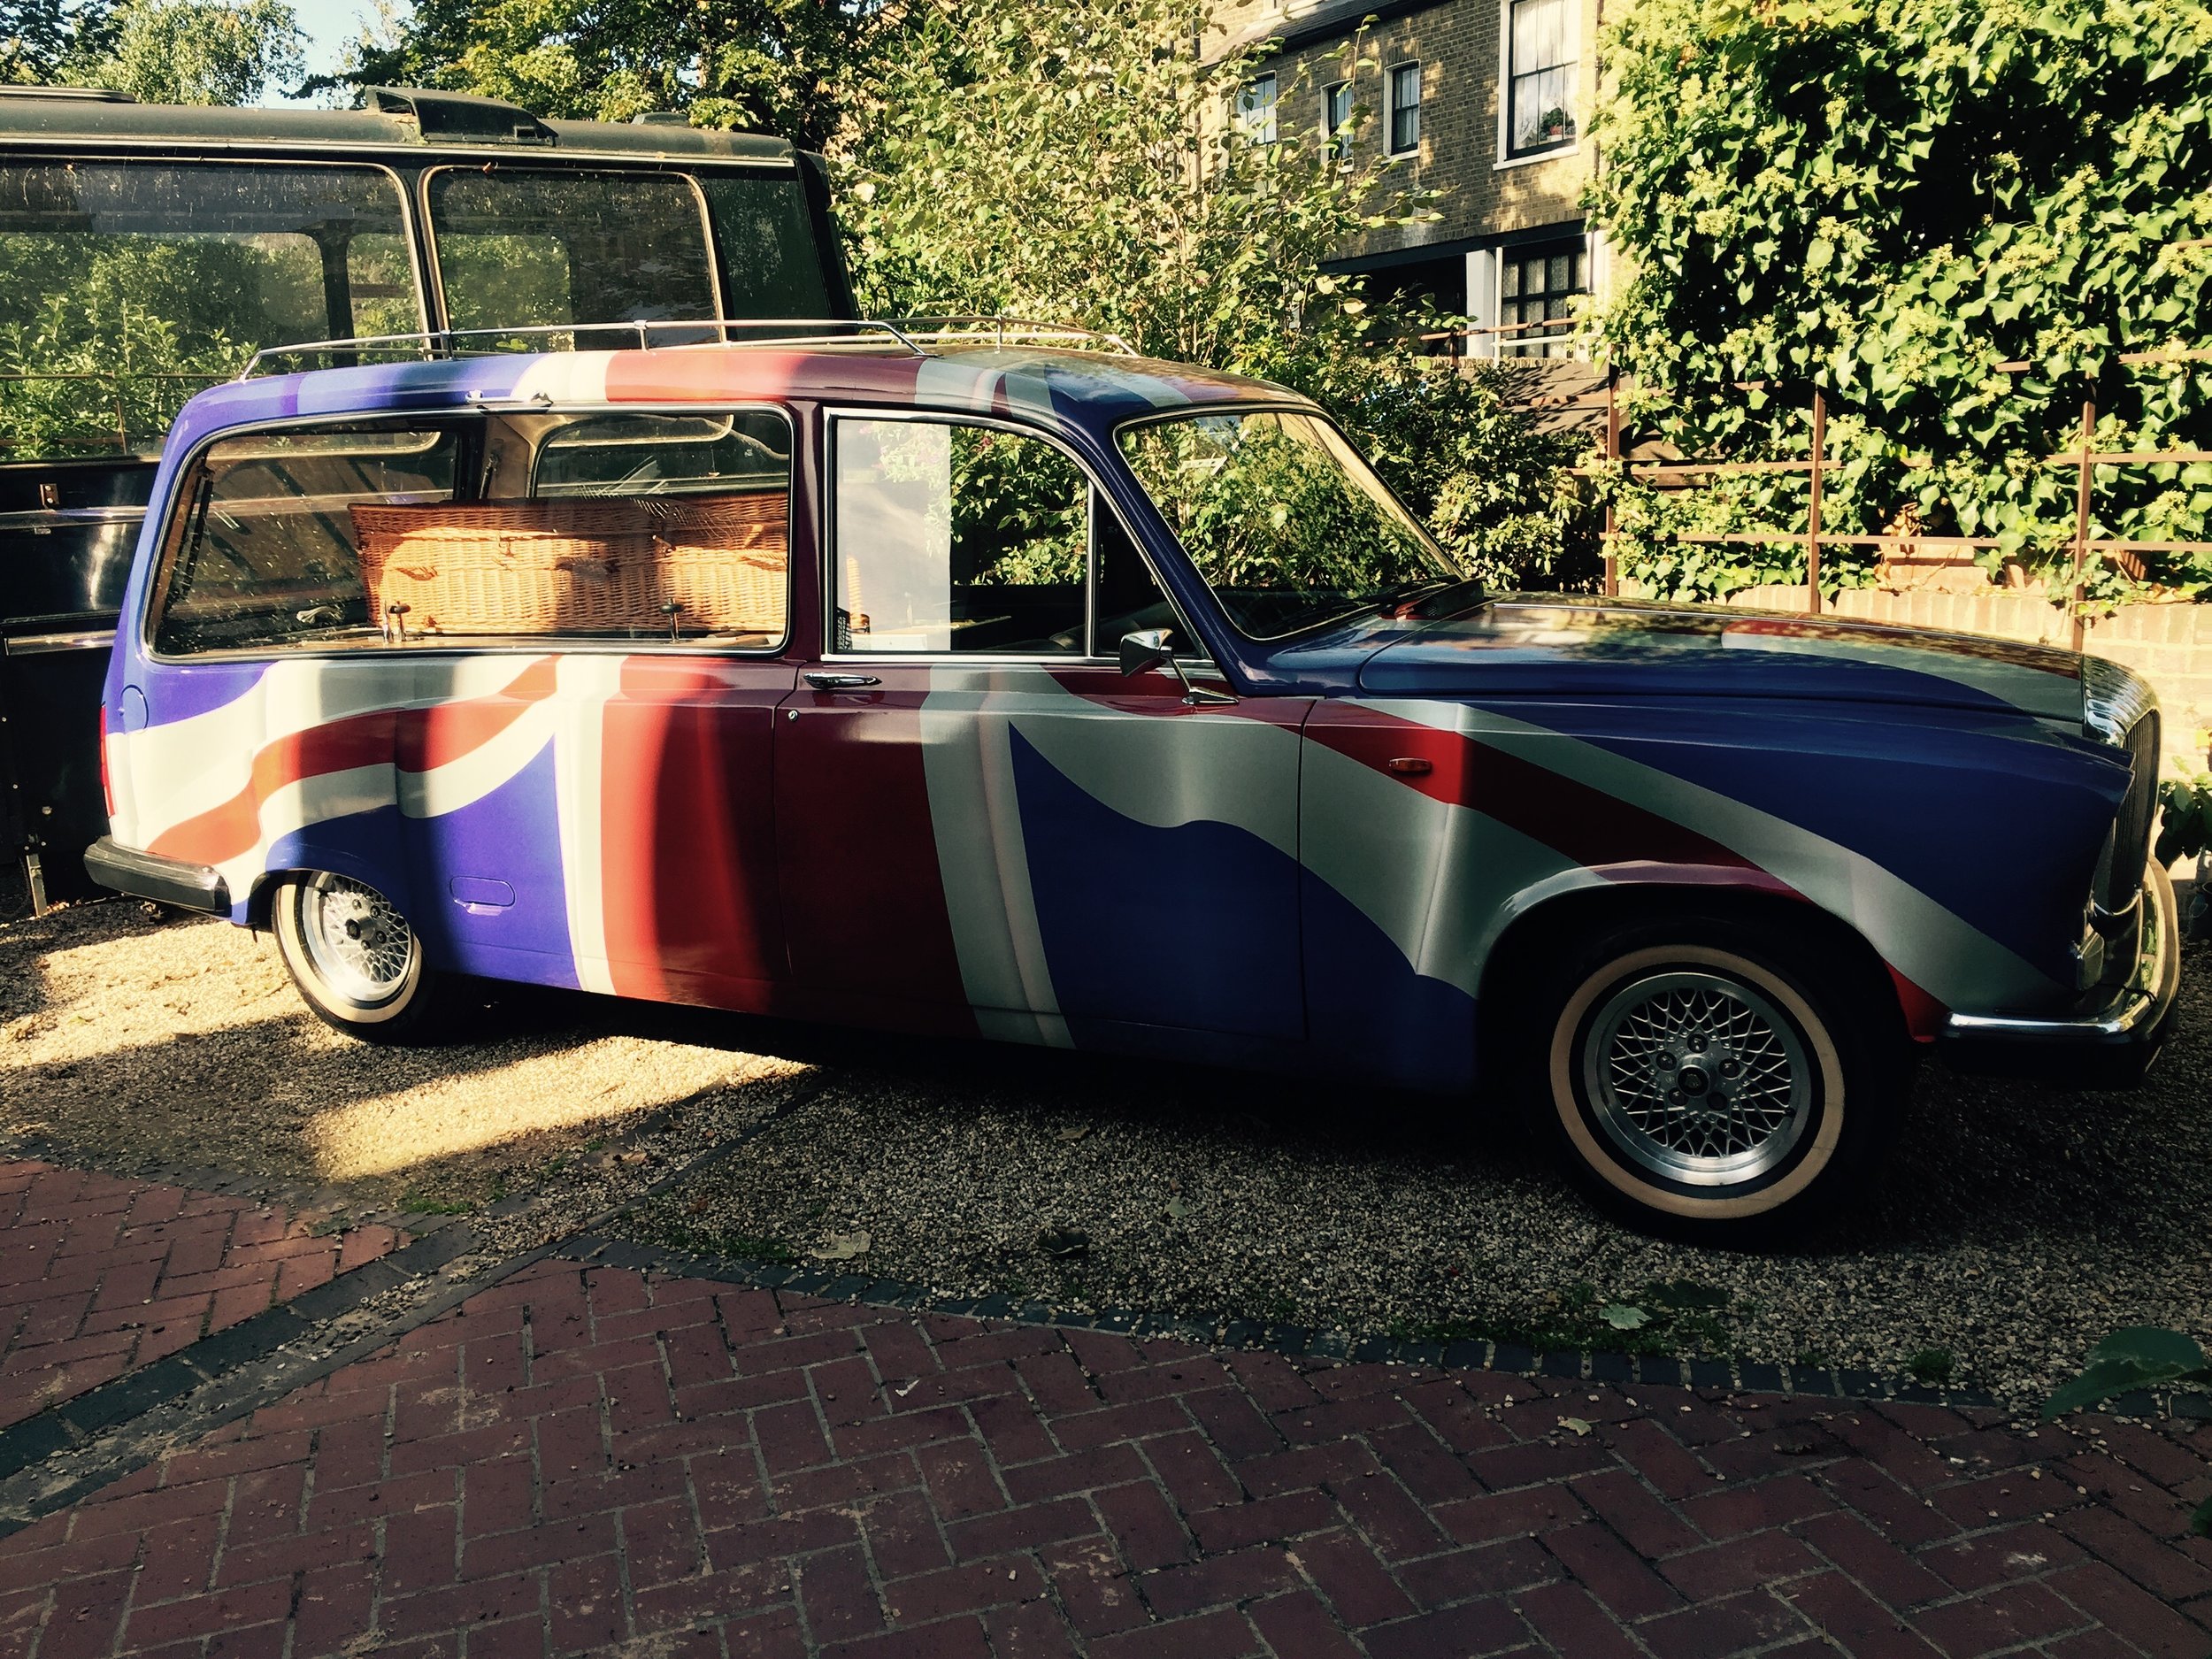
646	529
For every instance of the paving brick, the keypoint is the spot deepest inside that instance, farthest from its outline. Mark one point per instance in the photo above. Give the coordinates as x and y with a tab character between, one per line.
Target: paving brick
766	1493
1344	1568
1844	1613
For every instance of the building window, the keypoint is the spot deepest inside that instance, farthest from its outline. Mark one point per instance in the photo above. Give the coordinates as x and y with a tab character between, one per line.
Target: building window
1255	111
1539	76
1536	290
1405	108
1336	121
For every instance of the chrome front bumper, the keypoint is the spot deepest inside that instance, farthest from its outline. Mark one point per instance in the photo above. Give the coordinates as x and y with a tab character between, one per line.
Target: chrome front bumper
2133	1018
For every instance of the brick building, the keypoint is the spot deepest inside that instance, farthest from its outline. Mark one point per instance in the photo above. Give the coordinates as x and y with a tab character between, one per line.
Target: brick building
1483	102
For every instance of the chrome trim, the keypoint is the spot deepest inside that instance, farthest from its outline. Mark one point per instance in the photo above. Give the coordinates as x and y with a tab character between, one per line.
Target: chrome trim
2113	699
40	644
2135	1008
63	518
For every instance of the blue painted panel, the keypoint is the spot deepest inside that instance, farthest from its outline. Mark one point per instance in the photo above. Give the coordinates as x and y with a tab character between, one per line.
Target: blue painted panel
1193	925
511	837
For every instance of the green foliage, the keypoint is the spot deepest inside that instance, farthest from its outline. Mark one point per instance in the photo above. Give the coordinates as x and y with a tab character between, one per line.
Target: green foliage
767	65
198	52
2185	818
1886	199
1072	160
1931	1365
159	51
2138	1357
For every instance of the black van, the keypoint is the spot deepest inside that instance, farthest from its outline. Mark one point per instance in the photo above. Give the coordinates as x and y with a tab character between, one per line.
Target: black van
148	250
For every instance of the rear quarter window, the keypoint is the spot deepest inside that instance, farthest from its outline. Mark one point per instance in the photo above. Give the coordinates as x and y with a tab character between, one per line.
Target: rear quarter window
647	528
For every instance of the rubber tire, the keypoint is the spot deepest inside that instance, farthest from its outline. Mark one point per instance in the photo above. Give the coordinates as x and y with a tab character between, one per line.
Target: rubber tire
416	1015
1853	1036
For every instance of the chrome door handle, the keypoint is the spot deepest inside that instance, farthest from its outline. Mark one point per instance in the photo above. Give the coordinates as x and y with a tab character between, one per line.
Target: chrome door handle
840	682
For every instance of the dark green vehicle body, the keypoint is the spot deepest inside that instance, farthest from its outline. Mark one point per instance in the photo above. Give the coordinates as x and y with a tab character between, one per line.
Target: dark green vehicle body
147	251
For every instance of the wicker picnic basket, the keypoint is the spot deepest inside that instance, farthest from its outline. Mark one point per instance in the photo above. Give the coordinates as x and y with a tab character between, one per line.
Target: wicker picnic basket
579	565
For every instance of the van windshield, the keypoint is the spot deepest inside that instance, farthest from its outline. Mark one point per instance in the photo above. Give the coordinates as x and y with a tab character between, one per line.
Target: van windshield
125	288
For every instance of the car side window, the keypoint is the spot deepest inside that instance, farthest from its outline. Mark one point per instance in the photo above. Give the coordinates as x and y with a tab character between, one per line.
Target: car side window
957	538
644	528
267	556
1130	599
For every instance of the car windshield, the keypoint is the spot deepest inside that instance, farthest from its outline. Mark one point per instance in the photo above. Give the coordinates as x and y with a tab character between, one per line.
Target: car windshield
1280	516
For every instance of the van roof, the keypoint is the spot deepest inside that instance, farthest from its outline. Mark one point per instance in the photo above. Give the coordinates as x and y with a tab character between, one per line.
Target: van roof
397	118
1089	389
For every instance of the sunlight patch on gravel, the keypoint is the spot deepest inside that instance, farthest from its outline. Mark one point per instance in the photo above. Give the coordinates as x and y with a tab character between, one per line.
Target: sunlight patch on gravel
183	1045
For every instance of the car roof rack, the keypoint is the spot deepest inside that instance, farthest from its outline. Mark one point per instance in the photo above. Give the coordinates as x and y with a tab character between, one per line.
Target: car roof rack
915	334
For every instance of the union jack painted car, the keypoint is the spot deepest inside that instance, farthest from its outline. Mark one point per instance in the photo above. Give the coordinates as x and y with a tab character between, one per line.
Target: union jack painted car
1073	699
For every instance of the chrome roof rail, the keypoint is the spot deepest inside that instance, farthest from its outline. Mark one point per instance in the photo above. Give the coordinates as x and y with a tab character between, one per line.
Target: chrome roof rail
823	334
819	333
1010	330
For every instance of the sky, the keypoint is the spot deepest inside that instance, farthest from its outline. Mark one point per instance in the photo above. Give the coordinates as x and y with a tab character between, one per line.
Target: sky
328	25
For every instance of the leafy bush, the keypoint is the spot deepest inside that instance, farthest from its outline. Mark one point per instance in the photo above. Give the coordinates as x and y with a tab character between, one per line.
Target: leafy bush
2185	818
1888	199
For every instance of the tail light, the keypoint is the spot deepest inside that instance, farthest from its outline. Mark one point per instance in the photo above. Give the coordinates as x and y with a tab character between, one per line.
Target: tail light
107	787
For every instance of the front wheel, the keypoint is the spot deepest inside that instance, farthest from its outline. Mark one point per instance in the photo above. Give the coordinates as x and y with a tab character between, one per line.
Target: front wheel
355	959
1714	1082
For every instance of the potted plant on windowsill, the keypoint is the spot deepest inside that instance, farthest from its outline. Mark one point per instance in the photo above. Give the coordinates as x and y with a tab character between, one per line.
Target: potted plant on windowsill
1556	125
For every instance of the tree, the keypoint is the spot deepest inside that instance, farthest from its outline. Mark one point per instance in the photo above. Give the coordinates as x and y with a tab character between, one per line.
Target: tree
197	51
159	51
763	64
1886	199
1072	160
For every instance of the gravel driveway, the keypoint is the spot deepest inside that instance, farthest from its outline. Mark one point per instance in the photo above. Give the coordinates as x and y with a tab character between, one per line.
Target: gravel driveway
2019	1224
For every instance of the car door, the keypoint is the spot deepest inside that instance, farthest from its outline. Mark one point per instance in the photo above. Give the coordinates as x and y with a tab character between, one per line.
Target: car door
982	824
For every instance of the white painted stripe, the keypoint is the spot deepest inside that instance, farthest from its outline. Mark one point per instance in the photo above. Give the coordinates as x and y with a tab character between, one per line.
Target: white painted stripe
982	856
1946	956
1439	879
585	683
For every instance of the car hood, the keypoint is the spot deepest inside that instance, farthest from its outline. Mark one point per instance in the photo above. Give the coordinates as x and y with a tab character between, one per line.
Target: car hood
1547	644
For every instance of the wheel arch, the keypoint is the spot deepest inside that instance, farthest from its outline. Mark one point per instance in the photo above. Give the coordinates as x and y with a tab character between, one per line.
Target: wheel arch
1543	933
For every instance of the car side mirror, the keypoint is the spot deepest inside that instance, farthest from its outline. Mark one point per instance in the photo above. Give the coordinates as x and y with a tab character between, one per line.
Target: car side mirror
1148	648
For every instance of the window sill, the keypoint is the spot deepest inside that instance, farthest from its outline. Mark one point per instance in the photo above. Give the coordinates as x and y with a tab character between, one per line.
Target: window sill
1536	156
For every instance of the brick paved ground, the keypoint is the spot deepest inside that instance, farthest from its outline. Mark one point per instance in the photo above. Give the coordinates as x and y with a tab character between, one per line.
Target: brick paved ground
594	1460
100	1276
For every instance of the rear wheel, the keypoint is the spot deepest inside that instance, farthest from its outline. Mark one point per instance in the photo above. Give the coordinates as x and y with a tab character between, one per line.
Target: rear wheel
1714	1080
355	959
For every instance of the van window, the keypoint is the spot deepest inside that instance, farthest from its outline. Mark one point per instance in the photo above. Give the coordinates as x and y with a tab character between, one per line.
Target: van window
640	528
518	248
125	288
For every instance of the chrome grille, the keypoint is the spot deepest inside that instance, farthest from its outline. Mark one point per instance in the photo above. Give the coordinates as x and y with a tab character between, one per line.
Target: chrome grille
2118	707
2139	811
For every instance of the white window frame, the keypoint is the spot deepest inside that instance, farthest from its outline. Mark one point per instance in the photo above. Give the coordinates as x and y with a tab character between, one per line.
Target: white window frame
1337	134
1505	156
1392	108
1249	119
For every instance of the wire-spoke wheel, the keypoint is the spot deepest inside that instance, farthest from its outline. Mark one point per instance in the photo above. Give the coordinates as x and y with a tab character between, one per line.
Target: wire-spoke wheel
353	955
1712	1079
1698	1078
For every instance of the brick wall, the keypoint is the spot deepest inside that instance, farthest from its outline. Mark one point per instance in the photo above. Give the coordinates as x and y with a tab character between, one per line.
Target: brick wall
1456	43
2170	645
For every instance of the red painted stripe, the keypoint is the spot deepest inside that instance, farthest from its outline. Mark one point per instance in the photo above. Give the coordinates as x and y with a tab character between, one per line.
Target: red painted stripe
1595	829
225	832
688	857
445	732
